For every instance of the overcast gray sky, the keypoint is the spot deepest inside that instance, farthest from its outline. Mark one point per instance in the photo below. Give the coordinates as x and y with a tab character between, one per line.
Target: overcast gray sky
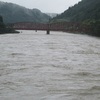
52	6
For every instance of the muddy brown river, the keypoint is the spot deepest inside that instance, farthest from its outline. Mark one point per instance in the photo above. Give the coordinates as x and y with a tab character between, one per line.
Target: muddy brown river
59	66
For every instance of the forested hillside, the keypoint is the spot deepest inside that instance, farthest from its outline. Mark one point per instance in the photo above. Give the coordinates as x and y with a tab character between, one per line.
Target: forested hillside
86	12
12	13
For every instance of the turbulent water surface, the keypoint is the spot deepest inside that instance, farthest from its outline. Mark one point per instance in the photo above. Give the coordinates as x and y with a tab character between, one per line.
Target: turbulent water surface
59	66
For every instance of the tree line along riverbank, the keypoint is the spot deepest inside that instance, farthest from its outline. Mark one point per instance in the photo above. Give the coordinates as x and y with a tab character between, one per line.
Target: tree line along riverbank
4	29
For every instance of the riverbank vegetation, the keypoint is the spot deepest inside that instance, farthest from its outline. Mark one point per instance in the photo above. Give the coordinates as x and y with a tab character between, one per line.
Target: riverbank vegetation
4	29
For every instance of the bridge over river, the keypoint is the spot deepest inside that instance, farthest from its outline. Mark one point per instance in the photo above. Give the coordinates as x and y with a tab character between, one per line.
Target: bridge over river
59	26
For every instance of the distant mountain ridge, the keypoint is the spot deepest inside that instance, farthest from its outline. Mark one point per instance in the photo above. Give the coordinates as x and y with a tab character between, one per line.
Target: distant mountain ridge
52	15
12	13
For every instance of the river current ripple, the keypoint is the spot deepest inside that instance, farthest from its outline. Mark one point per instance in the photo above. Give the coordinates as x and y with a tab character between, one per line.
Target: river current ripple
59	66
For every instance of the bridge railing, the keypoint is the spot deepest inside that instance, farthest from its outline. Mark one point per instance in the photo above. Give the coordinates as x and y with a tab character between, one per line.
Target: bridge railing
60	26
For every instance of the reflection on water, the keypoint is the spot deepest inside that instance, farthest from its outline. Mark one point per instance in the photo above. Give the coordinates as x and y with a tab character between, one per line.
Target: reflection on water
59	66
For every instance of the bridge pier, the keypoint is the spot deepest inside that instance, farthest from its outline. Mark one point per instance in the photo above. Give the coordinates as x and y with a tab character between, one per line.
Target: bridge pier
48	32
